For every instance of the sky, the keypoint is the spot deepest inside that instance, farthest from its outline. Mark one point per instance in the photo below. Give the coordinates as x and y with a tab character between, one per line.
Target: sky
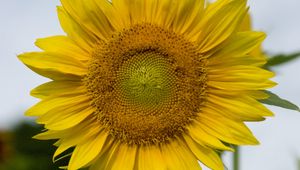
22	22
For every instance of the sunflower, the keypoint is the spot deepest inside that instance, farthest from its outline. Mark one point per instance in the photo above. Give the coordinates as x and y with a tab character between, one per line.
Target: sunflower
149	84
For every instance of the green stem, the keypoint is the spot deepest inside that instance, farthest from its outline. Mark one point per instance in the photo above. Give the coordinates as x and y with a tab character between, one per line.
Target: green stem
236	156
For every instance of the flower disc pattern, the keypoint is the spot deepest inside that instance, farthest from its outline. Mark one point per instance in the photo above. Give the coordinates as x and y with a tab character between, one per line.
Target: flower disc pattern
146	89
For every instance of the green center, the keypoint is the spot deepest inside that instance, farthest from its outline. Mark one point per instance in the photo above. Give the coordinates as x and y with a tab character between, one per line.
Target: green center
145	79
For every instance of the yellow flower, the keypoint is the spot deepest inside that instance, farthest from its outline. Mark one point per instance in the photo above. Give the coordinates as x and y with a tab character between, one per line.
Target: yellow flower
149	84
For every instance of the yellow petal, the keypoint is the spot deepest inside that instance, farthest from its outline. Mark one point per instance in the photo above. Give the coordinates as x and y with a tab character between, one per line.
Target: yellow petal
226	129
150	158
83	132
211	8
75	31
240	78
150	10
178	157
111	13
124	158
206	155
122	6
188	15
243	106
55	88
52	102
222	24
62	45
258	94
65	110
204	138
89	16
255	94
246	25
164	12
103	161
50	134
53	64
261	109
257	53
138	10
84	153
76	135
240	45
242	85
65	117
234	114
248	59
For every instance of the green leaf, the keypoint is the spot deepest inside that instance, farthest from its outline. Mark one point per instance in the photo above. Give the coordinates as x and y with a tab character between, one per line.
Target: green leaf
281	59
277	101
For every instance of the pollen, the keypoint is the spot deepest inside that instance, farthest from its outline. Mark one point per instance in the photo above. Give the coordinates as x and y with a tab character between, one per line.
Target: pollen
146	83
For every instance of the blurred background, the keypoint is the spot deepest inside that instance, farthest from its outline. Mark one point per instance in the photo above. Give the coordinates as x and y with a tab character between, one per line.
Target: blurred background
22	22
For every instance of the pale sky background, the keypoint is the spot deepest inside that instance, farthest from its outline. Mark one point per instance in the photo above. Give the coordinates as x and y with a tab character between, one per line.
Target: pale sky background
23	21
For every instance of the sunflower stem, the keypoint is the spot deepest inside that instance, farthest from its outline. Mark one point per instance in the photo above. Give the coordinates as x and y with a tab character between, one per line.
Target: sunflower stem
236	156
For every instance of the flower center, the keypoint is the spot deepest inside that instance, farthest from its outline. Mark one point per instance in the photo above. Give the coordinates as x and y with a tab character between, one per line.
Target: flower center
145	80
147	84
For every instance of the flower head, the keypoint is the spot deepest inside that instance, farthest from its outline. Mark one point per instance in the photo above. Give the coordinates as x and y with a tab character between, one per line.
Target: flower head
148	84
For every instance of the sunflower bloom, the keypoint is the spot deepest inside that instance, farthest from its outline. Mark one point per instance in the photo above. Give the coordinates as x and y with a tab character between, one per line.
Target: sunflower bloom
149	84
